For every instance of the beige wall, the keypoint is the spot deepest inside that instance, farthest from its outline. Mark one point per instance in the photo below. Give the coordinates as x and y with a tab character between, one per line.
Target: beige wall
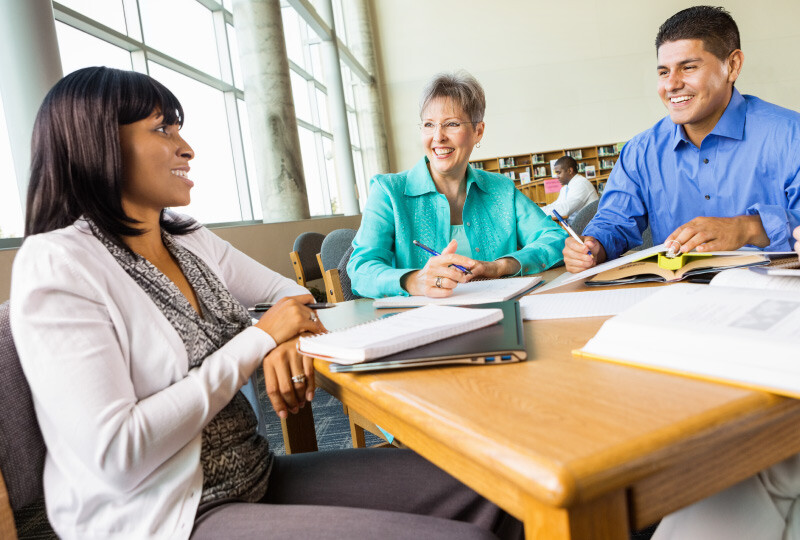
268	243
560	73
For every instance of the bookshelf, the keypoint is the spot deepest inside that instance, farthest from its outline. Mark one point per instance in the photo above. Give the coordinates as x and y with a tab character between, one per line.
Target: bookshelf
529	171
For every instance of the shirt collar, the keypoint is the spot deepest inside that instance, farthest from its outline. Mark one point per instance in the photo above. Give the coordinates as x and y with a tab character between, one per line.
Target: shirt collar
730	124
419	181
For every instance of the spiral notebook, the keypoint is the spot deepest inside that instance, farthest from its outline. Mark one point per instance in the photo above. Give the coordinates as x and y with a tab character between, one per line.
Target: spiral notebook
400	332
502	343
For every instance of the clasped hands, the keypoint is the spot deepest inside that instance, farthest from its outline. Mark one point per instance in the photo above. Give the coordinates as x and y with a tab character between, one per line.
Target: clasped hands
439	277
702	234
289	375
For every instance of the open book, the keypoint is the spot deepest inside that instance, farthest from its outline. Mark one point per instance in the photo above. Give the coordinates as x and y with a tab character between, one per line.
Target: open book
744	336
658	267
390	335
470	293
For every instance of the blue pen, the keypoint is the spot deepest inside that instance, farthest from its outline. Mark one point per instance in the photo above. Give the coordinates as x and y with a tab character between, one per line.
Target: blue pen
568	228
436	253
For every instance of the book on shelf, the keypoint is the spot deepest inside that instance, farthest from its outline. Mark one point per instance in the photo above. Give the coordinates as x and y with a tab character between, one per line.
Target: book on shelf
525	176
470	293
728	331
589	171
500	343
389	335
575	154
510	174
540	171
537	158
553	168
477	165
607	164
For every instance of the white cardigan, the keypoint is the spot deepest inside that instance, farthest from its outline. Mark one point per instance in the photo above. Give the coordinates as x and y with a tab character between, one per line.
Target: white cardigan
120	411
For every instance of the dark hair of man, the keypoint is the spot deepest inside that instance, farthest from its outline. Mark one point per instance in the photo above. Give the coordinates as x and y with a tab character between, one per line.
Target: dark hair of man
76	158
714	26
565	162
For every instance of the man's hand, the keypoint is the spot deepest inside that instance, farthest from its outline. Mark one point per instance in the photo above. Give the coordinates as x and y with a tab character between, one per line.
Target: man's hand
577	257
719	234
797	237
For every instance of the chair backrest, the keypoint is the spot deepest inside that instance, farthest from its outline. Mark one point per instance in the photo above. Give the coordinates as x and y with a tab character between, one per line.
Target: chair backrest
22	448
582	217
344	279
334	247
304	257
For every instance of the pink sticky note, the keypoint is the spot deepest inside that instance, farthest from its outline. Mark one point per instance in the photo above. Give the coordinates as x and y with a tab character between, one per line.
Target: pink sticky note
552	185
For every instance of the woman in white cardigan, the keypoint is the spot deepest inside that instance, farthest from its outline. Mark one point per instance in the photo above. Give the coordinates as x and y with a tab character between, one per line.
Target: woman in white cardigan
131	331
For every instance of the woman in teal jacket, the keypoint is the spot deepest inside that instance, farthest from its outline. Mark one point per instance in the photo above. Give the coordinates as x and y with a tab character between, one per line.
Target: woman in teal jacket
475	219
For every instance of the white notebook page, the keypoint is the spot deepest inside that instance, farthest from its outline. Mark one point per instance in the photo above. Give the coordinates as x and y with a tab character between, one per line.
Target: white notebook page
473	292
582	304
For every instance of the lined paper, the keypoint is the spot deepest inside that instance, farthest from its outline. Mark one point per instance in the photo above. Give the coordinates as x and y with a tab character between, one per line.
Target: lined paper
582	304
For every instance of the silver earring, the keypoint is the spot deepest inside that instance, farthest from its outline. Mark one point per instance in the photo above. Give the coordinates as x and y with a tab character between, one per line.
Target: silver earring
477	145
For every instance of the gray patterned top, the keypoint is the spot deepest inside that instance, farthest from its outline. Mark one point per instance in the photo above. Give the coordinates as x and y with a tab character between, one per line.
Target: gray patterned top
236	460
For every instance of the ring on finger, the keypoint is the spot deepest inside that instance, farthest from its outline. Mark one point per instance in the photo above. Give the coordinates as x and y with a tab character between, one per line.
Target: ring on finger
438	283
313	317
298	379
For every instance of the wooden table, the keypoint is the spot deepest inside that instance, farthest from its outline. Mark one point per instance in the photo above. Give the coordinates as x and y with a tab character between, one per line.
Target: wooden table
574	448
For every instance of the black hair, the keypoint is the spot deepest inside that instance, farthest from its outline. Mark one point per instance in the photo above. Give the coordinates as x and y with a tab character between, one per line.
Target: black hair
567	161
76	158
714	26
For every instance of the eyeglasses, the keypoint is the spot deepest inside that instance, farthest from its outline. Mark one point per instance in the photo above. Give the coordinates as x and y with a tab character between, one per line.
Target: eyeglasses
450	127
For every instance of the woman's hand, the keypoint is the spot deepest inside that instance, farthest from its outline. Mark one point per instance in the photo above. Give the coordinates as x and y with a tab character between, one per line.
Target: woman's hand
439	277
507	266
289	317
289	377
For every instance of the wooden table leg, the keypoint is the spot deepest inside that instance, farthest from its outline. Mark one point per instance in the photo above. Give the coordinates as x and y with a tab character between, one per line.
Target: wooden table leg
299	434
603	519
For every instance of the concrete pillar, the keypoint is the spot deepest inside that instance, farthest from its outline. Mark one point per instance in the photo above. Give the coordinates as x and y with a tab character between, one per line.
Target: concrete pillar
30	65
270	110
337	110
371	119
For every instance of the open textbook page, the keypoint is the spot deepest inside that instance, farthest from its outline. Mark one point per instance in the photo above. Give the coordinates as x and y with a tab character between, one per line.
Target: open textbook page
470	293
747	337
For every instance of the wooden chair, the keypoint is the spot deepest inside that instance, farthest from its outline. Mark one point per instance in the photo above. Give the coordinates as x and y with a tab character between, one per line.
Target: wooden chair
330	255
334	254
22	448
303	257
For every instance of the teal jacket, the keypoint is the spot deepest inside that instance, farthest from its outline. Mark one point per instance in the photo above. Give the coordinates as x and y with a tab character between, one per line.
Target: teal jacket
499	221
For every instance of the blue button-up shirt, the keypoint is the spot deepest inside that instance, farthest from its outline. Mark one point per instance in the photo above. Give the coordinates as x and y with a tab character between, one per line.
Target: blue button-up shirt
749	164
499	221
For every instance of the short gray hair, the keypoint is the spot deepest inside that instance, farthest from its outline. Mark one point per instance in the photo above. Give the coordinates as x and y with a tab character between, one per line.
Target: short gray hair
462	88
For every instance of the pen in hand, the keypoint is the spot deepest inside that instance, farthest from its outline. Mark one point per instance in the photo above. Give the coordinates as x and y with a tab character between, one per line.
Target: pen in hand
436	254
567	228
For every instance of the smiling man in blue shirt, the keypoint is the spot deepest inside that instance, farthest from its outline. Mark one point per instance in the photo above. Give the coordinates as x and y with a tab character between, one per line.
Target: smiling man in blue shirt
720	172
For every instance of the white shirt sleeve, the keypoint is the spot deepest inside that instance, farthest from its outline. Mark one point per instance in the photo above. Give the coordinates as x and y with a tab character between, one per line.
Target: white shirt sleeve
78	344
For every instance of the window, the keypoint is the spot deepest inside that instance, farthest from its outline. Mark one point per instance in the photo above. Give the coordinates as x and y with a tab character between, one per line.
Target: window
202	68
10	204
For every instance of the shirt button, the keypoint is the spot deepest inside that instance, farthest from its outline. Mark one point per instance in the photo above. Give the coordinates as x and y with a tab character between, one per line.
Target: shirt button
705	160
467	223
477	250
708	197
